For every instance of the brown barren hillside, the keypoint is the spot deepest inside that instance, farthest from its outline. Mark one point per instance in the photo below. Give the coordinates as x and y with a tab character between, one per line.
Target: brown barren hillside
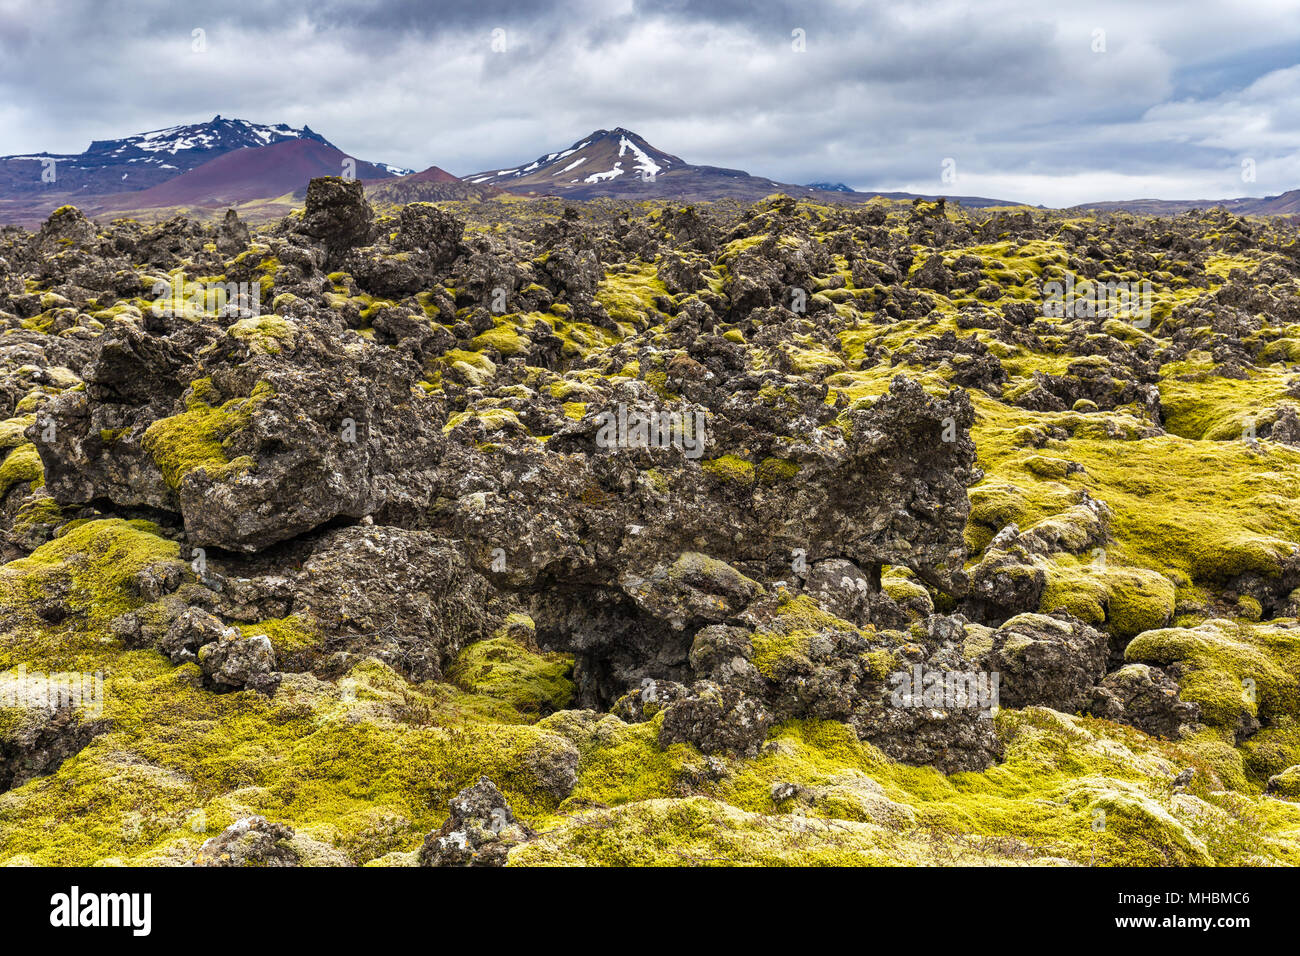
429	185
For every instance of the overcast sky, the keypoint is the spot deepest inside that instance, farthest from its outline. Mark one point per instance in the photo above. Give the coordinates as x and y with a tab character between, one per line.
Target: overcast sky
1113	100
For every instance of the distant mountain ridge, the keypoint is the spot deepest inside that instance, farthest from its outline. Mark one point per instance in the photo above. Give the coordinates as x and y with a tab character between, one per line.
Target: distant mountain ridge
1283	204
228	161
429	185
618	163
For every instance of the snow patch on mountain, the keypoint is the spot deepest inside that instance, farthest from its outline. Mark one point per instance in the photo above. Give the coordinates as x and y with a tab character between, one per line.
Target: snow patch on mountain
644	164
218	132
609	174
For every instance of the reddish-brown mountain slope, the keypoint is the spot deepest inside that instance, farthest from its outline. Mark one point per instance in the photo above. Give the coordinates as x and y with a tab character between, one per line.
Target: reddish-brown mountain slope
260	173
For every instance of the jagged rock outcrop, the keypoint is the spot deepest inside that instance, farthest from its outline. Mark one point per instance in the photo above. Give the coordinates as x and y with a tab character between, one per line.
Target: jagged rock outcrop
408	598
292	426
480	830
250	841
716	719
233	662
337	214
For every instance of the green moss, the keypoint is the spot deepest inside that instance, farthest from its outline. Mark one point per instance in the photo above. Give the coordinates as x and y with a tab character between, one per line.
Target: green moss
33	401
901	585
996	504
784	646
96	560
658	480
1199	405
1125	601
729	469
1287	783
474	368
880	664
505	339
22	464
1208	511
372	307
1230	669
11	431
333	770
772	471
630	296
36	512
267	334
813	359
696	831
619	763
658	380
198	438
288	635
490	419
367	765
1271	750
582	339
1070	791
533	684
1046	467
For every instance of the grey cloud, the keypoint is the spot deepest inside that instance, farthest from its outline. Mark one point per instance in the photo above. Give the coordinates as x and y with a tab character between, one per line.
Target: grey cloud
885	91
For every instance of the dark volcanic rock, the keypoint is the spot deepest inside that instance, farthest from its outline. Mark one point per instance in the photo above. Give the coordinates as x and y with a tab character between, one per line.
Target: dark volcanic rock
293	426
36	736
234	663
406	597
1147	698
716	719
687	479
1048	660
250	841
337	214
480	830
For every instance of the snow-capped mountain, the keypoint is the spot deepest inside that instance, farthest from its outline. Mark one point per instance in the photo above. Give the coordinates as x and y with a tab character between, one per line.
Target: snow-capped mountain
163	146
145	159
606	156
619	163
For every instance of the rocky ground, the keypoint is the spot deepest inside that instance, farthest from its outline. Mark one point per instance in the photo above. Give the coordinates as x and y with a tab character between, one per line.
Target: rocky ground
365	582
